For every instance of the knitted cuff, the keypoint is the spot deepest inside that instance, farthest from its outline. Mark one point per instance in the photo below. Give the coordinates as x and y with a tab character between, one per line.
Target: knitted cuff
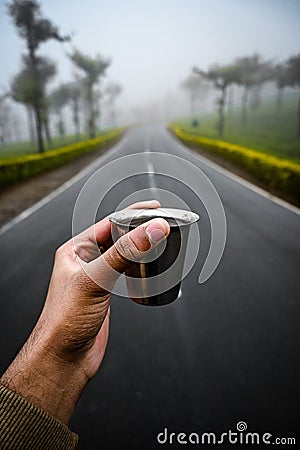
27	427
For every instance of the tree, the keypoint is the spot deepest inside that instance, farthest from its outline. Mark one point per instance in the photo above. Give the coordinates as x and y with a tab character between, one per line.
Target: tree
112	91
35	30
74	97
194	86
94	69
97	95
47	71
280	76
4	110
251	71
222	77
58	99
293	74
264	73
24	90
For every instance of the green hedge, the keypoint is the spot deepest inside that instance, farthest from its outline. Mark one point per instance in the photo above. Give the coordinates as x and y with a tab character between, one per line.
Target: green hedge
22	167
281	175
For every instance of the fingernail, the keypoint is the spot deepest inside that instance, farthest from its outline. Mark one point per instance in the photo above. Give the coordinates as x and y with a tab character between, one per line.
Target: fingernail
156	235
157	230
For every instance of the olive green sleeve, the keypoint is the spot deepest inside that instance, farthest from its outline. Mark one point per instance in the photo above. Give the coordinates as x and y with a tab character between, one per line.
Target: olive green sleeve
24	426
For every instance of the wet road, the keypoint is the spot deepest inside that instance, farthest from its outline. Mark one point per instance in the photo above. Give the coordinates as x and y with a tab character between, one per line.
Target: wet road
226	351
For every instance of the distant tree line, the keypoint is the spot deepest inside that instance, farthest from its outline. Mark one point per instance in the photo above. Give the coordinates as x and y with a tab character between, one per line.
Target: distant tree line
249	72
30	85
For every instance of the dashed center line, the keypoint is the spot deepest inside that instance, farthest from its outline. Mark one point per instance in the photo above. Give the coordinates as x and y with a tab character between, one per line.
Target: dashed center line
151	173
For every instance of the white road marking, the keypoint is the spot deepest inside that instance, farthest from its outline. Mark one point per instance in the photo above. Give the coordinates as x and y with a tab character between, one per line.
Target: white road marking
150	169
258	190
32	209
151	173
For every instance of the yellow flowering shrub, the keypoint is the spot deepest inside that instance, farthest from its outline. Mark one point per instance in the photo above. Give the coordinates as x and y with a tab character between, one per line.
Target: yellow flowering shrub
22	167
280	174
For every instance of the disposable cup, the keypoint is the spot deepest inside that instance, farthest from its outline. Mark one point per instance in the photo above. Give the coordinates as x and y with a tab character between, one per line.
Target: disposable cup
156	279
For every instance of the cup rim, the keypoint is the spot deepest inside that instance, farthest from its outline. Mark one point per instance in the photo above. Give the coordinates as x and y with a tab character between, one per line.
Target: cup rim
185	216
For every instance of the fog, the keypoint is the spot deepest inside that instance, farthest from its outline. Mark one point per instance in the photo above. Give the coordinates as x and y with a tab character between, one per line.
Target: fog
153	46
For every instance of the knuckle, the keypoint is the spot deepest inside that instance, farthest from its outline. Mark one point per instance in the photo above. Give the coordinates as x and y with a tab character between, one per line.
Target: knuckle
87	288
61	253
58	253
126	248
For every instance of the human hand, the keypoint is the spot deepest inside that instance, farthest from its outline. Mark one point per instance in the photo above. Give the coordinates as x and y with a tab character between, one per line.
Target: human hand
69	340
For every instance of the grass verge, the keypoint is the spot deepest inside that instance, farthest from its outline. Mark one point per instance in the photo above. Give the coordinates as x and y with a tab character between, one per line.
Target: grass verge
22	167
280	176
12	149
267	130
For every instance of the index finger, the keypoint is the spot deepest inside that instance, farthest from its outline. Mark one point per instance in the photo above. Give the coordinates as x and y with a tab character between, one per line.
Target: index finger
146	204
87	243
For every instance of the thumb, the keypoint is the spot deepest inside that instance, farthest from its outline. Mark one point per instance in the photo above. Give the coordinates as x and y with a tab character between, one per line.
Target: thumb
130	247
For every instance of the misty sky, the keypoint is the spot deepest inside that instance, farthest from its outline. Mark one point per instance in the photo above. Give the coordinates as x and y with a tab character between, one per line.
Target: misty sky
153	44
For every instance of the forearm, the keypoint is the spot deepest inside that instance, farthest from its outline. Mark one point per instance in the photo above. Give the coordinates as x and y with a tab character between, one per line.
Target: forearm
45	380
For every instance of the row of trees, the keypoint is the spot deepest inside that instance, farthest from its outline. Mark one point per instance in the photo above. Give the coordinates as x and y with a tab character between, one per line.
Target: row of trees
29	86
249	72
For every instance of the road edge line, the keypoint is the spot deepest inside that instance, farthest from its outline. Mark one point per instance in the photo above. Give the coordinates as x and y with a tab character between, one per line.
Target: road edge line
257	189
66	185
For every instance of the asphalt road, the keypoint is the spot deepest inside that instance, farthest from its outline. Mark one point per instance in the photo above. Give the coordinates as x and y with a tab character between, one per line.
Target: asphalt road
226	351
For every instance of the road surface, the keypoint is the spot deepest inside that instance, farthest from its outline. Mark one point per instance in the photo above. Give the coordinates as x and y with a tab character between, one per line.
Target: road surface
226	351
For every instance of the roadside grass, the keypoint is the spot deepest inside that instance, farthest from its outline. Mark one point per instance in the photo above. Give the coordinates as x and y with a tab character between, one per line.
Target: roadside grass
267	130
27	148
25	166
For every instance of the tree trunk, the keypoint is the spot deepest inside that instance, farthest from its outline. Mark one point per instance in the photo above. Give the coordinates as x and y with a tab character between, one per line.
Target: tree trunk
279	98
193	105
76	119
298	131
2	137
230	100
61	126
256	96
92	130
30	123
99	116
38	123
221	121
37	103
47	129
245	104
